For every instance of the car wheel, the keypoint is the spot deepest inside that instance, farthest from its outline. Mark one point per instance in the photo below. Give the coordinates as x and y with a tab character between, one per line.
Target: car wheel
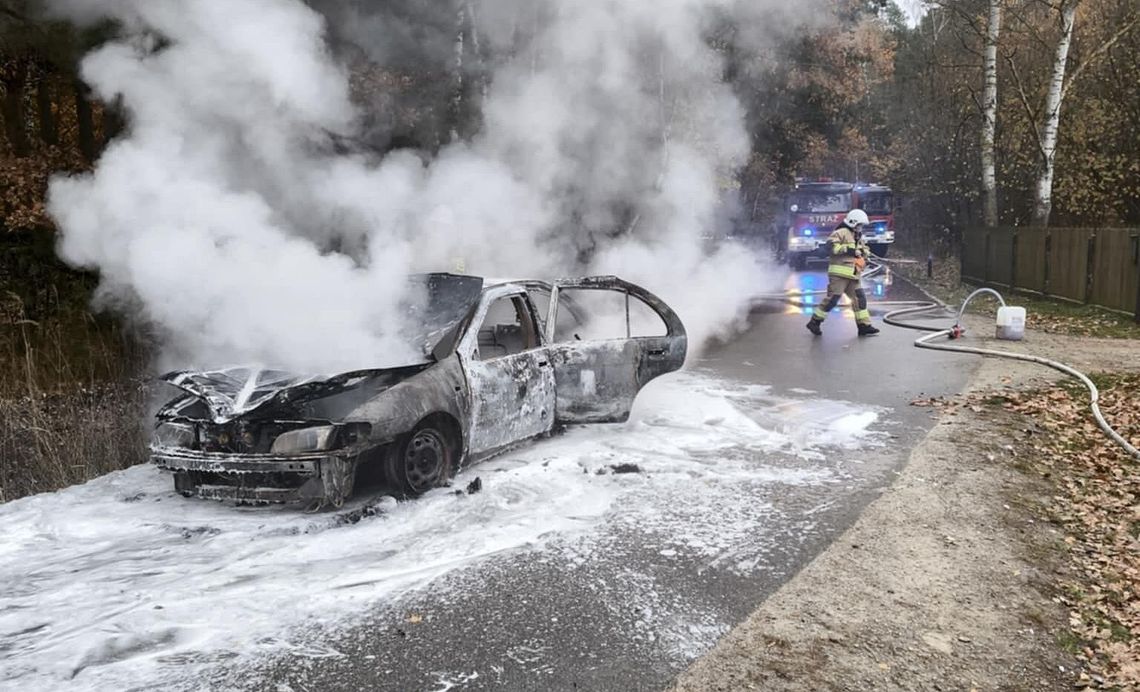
797	260
424	459
880	249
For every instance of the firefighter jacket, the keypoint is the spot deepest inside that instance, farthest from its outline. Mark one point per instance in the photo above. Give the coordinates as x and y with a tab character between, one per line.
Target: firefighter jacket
845	249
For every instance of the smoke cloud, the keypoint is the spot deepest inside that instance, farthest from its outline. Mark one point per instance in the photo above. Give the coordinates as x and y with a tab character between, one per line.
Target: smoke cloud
241	216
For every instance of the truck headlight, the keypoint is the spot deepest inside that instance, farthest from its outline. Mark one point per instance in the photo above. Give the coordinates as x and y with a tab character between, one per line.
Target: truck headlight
316	439
174	435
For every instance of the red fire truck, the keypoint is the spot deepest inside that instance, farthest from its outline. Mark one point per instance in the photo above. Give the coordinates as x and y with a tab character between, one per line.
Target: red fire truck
812	210
879	203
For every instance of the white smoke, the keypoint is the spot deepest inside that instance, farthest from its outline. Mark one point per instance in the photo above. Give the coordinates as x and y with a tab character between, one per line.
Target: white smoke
226	218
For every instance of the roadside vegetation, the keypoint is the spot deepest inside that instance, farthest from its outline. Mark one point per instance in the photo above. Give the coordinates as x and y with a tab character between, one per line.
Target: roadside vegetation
1097	504
71	408
72	402
1044	314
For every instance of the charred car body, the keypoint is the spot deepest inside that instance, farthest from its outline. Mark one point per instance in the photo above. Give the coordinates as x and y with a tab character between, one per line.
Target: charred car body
504	362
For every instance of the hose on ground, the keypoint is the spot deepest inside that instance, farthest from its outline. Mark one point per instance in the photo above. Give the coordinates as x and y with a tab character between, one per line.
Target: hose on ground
913	308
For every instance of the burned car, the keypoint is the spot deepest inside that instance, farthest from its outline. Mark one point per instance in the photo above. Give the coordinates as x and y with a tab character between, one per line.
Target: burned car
504	362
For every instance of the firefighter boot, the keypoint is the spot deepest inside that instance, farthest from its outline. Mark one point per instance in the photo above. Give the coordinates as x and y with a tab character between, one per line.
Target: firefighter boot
867	330
813	327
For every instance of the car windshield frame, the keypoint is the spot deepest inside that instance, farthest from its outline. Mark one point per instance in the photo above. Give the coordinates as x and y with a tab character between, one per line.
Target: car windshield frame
435	305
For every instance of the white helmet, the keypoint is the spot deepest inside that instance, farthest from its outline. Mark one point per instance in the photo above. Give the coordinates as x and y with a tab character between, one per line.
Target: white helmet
856	218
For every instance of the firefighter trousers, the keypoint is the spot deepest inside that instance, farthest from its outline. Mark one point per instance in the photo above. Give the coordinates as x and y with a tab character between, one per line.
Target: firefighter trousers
838	286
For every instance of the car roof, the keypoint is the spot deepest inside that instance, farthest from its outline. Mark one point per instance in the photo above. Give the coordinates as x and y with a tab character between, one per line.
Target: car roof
488	282
491	282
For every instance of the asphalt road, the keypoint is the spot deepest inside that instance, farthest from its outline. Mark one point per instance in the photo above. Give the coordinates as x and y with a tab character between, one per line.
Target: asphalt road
630	616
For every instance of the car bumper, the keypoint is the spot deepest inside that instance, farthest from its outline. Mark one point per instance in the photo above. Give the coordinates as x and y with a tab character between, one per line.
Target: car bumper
262	478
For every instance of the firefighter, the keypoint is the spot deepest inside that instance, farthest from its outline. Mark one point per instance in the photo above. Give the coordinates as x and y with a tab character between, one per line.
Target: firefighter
849	254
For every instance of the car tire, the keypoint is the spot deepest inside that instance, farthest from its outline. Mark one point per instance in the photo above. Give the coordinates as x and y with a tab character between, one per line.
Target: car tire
423	459
880	249
797	261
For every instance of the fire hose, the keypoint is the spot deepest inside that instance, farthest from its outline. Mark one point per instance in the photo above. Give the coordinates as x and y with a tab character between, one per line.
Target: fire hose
910	308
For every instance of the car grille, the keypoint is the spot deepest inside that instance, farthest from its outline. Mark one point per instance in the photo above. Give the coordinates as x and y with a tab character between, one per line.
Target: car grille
241	437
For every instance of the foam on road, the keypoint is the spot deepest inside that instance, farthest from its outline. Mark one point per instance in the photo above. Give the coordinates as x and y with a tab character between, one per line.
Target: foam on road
121	583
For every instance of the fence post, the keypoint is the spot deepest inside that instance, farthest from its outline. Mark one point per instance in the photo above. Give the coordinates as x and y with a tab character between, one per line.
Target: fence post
1135	238
1048	262
986	259
1138	302
1013	261
1090	266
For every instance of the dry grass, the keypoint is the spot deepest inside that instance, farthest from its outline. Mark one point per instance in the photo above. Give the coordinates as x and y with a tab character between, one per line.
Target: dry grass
50	441
72	402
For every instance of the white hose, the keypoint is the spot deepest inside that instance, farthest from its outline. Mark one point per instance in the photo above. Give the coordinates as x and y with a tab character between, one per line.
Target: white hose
915	307
1094	393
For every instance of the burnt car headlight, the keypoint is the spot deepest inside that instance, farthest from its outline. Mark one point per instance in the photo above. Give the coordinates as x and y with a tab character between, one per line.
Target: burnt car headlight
316	439
174	435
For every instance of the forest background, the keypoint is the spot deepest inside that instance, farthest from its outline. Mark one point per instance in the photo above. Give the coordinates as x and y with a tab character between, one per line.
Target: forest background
976	112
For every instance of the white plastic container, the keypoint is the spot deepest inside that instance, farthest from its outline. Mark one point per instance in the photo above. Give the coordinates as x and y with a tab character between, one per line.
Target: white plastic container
1011	323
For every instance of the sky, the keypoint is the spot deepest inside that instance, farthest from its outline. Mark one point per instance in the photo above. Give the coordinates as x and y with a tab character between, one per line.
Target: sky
914	9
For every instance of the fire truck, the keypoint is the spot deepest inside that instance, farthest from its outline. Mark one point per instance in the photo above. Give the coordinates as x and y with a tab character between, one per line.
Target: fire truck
812	210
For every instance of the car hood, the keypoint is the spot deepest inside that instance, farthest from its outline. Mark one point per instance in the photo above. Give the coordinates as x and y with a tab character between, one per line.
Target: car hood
231	393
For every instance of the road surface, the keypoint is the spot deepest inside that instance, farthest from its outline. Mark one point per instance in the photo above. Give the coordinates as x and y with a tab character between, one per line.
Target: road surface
605	558
626	607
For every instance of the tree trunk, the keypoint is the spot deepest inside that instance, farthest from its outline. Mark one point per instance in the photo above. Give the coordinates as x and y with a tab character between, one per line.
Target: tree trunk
13	105
48	133
85	122
989	115
114	120
455	107
1043	196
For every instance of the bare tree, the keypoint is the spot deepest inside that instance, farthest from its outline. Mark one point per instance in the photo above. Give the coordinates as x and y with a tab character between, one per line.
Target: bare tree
989	113
968	28
1060	82
1043	193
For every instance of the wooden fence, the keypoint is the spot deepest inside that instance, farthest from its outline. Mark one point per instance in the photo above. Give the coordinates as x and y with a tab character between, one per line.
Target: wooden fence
1098	266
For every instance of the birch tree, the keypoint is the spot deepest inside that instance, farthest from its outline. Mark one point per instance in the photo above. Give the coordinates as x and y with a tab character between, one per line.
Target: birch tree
989	113
977	27
1060	83
1043	192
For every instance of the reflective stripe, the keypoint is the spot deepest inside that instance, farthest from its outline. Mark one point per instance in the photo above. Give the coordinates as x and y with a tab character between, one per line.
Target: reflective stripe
842	270
819	314
842	248
863	316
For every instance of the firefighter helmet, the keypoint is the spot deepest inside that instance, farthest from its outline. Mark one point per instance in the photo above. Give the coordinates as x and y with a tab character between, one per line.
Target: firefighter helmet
856	218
